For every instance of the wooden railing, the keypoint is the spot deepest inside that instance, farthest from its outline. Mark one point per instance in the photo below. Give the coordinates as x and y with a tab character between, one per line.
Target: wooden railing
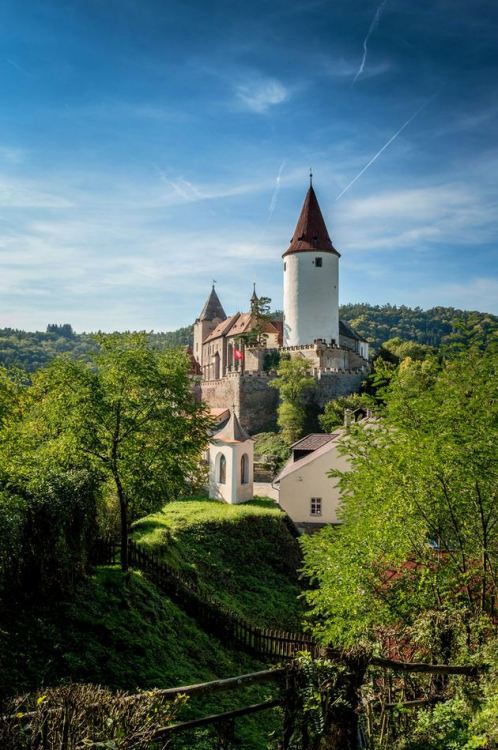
210	613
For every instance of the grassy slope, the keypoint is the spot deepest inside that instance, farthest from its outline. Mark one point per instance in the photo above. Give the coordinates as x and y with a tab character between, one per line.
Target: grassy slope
243	555
122	632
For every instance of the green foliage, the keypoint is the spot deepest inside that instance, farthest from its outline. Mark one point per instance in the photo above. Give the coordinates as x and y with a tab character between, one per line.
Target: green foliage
270	447
131	417
425	475
333	413
438	327
242	555
260	313
294	383
32	350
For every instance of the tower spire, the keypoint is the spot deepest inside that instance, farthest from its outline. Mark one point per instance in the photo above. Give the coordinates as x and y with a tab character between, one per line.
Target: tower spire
311	233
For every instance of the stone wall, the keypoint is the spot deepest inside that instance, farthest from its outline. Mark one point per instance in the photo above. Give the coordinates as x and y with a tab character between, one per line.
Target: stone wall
254	401
332	385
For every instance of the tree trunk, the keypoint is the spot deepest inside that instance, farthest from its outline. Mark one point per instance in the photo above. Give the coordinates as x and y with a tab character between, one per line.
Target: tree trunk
341	730
123	510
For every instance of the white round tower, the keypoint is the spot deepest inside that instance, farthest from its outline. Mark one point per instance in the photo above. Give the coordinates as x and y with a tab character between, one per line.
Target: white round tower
311	280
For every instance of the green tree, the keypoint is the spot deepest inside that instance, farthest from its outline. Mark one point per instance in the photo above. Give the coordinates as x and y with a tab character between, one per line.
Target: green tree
261	316
294	383
418	549
131	415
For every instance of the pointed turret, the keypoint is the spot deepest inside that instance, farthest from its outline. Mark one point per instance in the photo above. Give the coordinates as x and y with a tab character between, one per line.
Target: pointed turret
311	232
213	308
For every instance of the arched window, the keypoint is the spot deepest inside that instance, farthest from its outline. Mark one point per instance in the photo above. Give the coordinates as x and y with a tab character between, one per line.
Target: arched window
244	469
222	470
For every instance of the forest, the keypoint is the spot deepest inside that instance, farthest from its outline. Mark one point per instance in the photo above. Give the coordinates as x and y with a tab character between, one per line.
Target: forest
439	327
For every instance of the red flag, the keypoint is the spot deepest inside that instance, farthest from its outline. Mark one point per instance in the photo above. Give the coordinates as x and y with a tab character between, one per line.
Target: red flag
237	354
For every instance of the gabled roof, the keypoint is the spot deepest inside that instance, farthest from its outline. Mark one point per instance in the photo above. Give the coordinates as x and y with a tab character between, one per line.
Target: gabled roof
313	441
222	328
311	234
232	432
213	308
292	465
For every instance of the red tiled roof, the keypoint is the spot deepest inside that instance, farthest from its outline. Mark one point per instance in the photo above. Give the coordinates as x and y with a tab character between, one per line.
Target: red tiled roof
222	328
311	233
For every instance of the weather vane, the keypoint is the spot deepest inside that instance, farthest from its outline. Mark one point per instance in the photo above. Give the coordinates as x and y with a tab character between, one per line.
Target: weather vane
311	177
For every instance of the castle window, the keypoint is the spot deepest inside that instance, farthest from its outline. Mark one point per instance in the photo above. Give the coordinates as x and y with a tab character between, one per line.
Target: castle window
318	262
222	470
285	266
244	469
316	506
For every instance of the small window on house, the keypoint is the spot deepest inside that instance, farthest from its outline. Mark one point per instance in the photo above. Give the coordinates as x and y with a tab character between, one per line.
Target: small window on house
316	506
222	470
318	262
285	266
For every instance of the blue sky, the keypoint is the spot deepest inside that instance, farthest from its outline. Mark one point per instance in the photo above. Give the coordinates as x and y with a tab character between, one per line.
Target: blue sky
150	146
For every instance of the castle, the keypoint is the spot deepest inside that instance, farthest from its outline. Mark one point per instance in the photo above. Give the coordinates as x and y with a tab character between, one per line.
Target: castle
236	374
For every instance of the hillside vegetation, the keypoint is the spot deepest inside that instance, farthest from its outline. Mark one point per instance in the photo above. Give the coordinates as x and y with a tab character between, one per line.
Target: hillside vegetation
439	326
243	555
121	632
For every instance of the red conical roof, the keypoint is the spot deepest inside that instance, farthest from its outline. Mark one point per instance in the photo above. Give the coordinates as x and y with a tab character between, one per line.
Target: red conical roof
311	233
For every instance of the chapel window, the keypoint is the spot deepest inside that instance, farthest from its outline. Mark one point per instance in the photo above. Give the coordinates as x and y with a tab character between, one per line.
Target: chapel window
222	470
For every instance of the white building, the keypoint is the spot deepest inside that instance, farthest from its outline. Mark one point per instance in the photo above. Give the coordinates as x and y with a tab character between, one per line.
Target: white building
231	461
306	493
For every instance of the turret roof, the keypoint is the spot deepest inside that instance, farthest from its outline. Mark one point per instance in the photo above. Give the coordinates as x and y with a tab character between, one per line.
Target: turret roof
232	432
311	234
213	308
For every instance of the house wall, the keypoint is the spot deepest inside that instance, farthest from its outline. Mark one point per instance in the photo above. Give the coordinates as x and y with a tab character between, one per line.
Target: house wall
297	489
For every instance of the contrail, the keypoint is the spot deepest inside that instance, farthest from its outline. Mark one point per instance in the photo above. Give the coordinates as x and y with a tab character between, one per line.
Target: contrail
391	139
370	31
274	198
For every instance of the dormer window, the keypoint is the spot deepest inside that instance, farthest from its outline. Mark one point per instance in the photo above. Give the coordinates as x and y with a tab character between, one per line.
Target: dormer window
318	262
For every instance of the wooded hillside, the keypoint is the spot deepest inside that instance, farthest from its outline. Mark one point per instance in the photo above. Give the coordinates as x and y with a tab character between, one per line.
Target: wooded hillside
439	326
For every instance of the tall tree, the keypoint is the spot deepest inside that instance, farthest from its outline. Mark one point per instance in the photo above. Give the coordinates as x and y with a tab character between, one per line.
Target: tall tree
418	549
132	415
294	383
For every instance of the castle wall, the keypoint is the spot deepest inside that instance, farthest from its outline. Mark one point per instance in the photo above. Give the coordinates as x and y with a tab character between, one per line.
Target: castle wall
254	401
331	385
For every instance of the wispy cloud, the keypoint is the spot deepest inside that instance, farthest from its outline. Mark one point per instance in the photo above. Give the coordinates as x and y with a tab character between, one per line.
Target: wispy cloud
276	190
260	95
381	150
370	31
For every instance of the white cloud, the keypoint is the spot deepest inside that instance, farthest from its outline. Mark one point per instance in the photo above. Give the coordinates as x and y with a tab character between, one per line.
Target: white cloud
451	212
260	95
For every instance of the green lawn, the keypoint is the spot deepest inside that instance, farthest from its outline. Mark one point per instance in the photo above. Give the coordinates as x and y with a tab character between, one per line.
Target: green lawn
242	554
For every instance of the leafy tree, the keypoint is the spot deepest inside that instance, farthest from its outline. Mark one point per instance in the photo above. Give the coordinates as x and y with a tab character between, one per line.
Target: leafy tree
131	415
294	383
418	549
261	316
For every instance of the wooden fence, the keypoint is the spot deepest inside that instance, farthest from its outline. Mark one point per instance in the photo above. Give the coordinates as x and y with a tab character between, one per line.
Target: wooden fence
211	614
